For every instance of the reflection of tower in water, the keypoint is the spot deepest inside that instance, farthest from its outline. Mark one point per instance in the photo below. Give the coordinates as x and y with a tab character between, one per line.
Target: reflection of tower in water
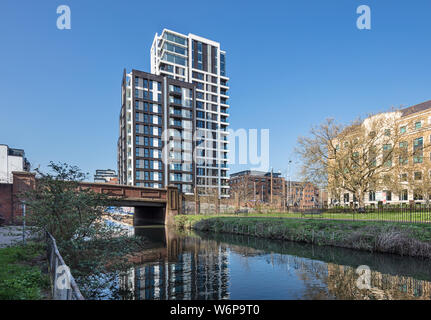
187	268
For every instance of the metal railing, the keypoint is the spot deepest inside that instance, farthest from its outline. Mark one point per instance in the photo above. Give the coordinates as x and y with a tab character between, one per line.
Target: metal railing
64	286
403	214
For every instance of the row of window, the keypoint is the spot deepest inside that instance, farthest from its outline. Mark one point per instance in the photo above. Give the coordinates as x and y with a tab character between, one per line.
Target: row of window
174	38
417	125
209	125
403	196
149	153
149	185
149	95
149	175
150	130
148	107
181	112
149	164
174	59
174	48
148	118
183	177
148	142
148	84
180	166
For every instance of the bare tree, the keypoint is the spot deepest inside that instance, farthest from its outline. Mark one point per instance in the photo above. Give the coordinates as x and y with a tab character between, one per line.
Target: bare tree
360	157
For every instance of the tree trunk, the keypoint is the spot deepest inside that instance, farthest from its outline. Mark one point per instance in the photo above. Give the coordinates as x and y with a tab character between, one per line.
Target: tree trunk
361	202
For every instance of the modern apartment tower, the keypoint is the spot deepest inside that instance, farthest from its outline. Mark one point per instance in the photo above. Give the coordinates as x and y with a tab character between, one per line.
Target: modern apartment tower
155	145
193	59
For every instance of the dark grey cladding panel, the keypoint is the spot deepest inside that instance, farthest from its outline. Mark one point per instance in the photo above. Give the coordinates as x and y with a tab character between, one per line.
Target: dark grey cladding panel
205	56
213	59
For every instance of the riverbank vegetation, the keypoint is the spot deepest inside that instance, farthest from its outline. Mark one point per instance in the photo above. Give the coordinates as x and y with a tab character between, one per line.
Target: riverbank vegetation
23	272
92	248
404	239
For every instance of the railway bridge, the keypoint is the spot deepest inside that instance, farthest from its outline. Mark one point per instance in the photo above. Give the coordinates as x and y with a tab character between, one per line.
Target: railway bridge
152	205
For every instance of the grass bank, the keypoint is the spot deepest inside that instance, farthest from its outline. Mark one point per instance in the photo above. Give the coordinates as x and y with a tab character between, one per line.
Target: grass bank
21	276
399	238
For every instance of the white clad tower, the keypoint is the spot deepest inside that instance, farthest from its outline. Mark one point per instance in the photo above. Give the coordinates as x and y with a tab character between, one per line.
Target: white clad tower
198	60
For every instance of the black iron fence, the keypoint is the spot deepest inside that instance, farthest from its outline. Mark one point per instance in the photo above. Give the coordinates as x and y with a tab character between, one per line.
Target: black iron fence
404	214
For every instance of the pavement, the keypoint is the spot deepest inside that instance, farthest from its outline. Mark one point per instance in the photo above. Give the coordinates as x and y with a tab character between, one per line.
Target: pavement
12	235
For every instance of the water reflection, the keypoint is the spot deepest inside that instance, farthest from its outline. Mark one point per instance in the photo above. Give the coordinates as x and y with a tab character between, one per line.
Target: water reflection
223	266
177	267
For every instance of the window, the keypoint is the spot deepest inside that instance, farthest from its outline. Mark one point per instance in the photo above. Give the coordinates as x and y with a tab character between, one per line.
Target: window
174	48
346	197
403	157
388	195
222	64
418	175
175	59
387	132
372	196
417	195
418	124
418	150
387	156
403	129
174	38
404	195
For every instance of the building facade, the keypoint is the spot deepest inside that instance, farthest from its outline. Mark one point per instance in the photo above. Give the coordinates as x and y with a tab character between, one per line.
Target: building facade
155	145
193	59
106	176
410	171
264	187
11	160
257	186
305	195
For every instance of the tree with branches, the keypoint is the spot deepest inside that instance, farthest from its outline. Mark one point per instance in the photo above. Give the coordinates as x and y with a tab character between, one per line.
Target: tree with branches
366	155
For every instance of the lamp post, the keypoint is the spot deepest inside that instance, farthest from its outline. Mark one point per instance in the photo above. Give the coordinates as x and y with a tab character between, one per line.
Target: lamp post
288	192
23	223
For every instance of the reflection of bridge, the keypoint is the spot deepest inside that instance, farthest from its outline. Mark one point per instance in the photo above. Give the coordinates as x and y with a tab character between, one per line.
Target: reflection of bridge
151	205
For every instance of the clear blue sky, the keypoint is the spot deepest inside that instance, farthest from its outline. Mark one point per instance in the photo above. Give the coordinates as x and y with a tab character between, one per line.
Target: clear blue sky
291	63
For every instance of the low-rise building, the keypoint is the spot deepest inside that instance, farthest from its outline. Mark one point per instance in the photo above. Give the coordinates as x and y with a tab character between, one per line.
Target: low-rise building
267	187
106	176
11	160
257	186
407	174
305	195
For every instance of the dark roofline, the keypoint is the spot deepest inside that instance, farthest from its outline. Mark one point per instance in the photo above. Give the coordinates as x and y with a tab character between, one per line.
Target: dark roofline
416	108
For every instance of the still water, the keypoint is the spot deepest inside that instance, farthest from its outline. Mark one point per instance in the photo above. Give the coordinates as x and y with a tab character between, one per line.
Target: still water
223	266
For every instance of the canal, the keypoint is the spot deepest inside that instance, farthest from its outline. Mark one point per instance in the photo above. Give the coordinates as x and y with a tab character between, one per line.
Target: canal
204	266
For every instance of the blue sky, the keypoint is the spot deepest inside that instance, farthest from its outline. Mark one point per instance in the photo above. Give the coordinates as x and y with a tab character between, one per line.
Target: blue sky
291	63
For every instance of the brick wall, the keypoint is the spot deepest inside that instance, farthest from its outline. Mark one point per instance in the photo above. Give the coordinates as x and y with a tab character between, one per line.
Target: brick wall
22	181
6	201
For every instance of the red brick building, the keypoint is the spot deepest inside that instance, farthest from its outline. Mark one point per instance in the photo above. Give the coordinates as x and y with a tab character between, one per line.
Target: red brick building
305	195
10	203
253	186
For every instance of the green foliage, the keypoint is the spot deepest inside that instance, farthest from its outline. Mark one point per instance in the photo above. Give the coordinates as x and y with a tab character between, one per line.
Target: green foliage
58	204
75	216
19	279
399	238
